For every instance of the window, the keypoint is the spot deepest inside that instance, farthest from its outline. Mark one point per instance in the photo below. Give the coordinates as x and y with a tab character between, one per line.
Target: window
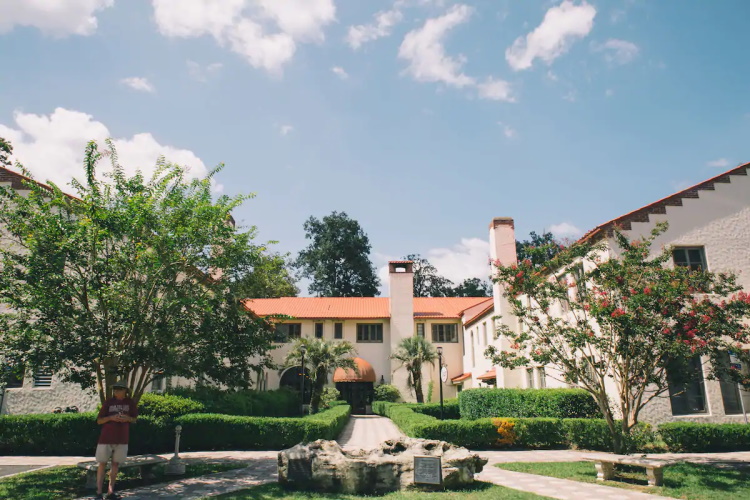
459	388
579	277
444	332
318	330
564	306
730	392
42	378
420	330
692	257
157	384
338	330
16	377
287	331
369	332
530	378
473	360
484	332
688	397
542	377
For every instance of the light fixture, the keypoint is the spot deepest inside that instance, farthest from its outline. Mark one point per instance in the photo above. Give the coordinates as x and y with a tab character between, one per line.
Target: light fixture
382	380
440	351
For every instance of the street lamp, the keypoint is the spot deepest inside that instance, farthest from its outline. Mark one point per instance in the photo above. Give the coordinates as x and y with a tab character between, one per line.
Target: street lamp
440	376
303	350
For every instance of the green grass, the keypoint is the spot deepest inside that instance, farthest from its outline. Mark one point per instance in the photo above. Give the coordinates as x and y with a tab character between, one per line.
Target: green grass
70	482
481	491
683	480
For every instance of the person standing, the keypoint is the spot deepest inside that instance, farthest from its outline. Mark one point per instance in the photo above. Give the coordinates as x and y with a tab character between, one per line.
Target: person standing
115	417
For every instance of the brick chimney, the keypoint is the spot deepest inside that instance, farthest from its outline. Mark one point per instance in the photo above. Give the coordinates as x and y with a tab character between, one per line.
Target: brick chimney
401	307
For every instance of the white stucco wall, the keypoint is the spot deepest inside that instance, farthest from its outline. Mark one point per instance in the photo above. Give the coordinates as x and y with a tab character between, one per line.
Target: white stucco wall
30	399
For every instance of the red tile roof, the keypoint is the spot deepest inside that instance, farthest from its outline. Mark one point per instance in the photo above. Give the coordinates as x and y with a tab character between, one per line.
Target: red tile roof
461	377
360	307
16	180
660	206
477	312
488	375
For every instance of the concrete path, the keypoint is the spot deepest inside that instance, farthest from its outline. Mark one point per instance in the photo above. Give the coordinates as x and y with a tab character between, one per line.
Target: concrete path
367	431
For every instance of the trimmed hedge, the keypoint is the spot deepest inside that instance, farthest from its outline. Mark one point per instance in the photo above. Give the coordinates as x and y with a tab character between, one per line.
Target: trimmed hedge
277	403
527	403
387	392
77	433
208	431
167	406
694	437
451	409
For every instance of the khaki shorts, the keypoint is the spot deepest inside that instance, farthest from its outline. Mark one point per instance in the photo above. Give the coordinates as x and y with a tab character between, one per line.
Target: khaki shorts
117	452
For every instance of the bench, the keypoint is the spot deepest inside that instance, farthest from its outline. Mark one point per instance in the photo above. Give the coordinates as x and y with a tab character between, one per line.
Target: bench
145	463
605	466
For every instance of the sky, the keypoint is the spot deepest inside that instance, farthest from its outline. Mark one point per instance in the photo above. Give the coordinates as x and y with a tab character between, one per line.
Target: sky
421	119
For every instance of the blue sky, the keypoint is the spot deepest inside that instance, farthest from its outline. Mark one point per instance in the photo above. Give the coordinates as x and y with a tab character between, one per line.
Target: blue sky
422	119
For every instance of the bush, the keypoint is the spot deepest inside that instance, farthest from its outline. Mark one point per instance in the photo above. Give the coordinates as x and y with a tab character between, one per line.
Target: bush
451	409
540	433
207	431
278	403
693	437
588	434
387	392
527	403
167	406
330	394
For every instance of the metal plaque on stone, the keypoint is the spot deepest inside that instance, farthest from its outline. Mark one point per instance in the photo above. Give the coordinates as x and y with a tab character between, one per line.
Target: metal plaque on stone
299	470
427	470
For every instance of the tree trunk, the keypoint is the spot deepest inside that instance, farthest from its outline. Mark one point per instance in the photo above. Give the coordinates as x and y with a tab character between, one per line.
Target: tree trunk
417	381
320	382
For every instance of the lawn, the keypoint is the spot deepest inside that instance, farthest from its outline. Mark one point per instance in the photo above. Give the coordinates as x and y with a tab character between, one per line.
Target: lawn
70	482
481	491
684	480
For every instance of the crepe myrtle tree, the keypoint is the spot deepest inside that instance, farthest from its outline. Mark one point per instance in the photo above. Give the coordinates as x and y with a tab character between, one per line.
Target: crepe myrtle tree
632	321
130	278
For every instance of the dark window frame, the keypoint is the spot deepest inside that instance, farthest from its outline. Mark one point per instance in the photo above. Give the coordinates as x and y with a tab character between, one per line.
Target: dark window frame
689	398
420	330
687	259
319	330
441	331
286	331
369	333
338	330
43	378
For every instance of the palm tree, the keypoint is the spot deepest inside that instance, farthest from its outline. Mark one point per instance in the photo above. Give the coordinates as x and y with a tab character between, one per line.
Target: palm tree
321	358
412	352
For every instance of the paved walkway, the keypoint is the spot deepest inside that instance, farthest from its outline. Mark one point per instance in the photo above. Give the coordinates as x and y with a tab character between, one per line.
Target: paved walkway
367	431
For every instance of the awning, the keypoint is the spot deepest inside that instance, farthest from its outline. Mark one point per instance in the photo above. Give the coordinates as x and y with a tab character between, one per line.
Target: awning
366	373
489	375
461	378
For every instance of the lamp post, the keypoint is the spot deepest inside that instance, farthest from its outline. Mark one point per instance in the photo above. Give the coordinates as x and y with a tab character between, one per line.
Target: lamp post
440	378
303	350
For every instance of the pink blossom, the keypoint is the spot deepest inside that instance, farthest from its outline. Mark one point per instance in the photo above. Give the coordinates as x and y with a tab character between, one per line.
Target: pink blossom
617	313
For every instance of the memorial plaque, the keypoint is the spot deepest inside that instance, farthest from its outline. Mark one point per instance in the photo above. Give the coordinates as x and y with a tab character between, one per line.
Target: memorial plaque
299	470
427	470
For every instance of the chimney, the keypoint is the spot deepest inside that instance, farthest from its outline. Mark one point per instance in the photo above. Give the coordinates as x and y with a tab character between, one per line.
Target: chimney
503	249
401	307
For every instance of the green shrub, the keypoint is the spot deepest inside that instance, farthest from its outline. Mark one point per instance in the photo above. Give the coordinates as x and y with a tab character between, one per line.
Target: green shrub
387	392
278	403
167	406
693	437
330	394
76	434
451	409
540	433
208	431
587	434
527	403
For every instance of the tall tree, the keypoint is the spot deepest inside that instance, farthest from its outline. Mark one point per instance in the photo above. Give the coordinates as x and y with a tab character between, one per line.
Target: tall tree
413	352
6	149
427	281
633	322
321	358
129	279
472	287
270	278
539	249
338	258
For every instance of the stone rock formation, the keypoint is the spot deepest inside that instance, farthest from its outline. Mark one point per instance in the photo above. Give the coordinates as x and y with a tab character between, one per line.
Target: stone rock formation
324	466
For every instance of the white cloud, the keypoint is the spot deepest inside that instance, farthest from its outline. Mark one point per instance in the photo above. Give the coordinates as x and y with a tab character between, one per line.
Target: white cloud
719	163
565	230
380	27
52	17
508	131
138	83
264	32
203	73
561	26
340	72
496	90
570	96
617	51
552	76
423	49
52	147
285	129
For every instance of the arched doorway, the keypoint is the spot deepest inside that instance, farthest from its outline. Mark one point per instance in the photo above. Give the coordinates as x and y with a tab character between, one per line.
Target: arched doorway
291	378
356	388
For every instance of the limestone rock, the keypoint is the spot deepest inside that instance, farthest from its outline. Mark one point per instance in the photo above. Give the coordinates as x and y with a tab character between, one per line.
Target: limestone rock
324	466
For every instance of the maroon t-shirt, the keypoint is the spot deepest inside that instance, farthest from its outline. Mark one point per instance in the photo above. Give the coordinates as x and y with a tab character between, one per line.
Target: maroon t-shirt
116	432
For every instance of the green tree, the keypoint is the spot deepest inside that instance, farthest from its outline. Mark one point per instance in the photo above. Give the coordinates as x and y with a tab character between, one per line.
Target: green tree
412	353
338	258
321	358
472	287
6	149
129	279
539	249
634	322
427	281
270	278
